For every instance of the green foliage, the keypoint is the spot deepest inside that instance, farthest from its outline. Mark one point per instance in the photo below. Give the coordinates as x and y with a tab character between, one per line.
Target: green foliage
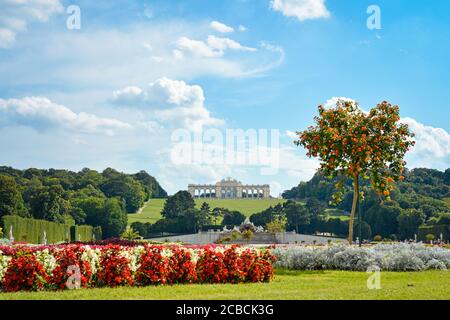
247	234
383	218
130	234
48	203
277	225
97	233
151	186
140	228
366	232
424	190
82	233
430	237
177	204
435	230
86	197
298	216
377	238
11	202
408	223
235	235
32	230
263	218
233	218
109	214
126	188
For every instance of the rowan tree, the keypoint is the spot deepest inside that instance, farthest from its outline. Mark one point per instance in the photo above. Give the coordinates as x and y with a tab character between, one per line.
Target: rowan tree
352	143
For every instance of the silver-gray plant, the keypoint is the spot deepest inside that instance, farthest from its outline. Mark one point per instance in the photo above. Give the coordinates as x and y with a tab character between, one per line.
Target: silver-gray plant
388	257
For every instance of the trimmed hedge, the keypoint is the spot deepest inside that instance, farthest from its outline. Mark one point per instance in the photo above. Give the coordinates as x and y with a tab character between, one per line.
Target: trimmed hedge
435	230
81	233
32	230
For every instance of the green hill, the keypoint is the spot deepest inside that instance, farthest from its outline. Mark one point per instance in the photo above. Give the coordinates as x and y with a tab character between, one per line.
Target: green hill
152	210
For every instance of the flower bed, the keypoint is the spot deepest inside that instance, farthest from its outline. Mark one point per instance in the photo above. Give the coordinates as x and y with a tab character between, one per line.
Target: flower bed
78	265
388	257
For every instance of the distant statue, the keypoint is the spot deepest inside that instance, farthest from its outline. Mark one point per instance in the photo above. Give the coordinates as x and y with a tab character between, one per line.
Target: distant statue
44	238
11	237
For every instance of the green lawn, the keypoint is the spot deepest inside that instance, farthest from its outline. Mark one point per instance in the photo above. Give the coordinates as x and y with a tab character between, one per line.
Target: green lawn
152	210
336	213
288	285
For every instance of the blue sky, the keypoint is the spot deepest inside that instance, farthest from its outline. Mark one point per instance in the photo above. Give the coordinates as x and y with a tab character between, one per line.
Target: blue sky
112	93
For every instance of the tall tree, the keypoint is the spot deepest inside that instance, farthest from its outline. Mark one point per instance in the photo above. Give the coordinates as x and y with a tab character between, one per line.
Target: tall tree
408	223
177	204
11	202
297	216
49	203
125	187
353	144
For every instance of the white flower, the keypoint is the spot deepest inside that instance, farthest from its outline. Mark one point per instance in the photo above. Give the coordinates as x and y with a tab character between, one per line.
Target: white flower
93	257
166	253
47	260
3	265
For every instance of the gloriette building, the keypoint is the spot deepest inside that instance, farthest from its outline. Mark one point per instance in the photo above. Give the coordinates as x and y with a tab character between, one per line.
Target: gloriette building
229	189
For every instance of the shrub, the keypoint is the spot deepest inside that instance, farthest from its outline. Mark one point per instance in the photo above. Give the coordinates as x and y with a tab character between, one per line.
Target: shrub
377	238
235	235
435	230
51	267
114	268
25	273
277	225
153	267
389	257
430	237
247	234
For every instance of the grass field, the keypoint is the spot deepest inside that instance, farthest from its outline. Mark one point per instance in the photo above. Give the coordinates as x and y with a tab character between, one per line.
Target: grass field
152	210
288	285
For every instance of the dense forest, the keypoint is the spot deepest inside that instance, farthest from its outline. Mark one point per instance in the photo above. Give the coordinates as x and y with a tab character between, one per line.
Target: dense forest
85	197
421	200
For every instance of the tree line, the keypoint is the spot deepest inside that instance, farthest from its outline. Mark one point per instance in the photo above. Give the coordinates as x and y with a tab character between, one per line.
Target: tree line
421	199
86	197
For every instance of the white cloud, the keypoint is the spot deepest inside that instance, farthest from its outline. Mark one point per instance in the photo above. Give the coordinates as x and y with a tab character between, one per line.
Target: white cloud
332	102
40	113
291	135
197	47
173	102
276	188
16	14
212	48
223	44
7	38
221	27
102	56
242	28
297	165
301	9
430	142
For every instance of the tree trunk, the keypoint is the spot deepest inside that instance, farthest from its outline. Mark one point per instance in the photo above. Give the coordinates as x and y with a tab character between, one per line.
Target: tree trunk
352	215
